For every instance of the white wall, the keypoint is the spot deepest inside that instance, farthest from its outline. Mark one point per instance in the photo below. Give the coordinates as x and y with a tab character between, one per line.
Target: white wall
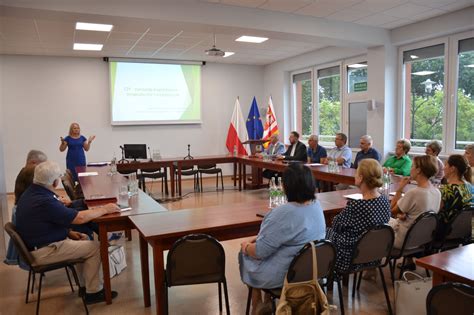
43	95
3	196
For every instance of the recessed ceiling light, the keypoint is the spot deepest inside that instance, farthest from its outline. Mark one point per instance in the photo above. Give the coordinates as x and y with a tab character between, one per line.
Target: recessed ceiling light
414	57
421	73
469	66
93	27
251	39
228	54
357	65
95	47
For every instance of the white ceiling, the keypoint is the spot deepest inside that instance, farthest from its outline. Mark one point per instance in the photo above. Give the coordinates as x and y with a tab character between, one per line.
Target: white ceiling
47	27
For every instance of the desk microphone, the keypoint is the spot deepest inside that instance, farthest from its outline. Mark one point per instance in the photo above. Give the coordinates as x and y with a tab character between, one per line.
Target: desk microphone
149	153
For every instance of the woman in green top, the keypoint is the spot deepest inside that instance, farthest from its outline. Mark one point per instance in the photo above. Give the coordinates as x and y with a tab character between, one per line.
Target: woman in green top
400	163
456	194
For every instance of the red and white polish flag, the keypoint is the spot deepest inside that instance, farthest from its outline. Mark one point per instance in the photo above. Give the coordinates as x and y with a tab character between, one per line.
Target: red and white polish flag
237	133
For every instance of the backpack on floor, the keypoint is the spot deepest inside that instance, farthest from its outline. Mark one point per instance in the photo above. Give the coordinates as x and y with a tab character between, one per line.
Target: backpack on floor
304	297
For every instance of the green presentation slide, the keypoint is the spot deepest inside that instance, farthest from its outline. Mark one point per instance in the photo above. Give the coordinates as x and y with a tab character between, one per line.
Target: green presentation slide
152	93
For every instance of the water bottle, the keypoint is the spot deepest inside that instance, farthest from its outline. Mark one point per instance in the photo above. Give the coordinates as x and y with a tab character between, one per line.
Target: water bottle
271	191
386	183
113	166
236	152
281	198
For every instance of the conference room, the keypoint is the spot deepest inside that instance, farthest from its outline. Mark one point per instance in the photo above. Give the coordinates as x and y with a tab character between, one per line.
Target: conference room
177	142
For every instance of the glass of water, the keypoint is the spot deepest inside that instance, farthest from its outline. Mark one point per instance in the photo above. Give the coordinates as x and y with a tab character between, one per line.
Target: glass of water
123	196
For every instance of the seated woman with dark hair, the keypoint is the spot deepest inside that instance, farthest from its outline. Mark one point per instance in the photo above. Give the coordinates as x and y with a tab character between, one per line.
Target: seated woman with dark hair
456	194
265	259
358	215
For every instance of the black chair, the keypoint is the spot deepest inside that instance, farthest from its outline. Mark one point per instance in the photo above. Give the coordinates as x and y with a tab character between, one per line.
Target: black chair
372	250
73	191
418	241
457	232
211	169
155	174
301	269
42	269
188	171
196	259
449	299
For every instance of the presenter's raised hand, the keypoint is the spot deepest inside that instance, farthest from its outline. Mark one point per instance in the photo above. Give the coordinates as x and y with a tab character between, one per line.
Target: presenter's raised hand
62	139
91	138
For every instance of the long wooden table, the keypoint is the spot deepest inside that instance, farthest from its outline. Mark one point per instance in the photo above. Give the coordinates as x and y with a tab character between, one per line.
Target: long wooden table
224	222
452	265
103	188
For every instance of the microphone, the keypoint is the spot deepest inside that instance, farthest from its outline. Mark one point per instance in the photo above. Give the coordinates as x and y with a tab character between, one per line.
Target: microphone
121	147
149	153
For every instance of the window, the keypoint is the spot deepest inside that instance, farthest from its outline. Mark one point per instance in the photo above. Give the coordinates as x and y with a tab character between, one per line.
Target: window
303	102
329	103
357	77
465	94
424	94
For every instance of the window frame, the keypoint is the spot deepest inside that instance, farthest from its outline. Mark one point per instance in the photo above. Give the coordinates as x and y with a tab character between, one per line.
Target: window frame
451	71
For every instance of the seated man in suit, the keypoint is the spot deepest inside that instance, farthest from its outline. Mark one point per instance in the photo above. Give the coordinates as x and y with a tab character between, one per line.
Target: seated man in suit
315	151
296	151
43	222
341	153
275	148
366	151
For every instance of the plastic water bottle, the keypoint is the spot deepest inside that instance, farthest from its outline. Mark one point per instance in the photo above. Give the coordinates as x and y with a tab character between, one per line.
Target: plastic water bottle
272	192
280	194
113	166
386	183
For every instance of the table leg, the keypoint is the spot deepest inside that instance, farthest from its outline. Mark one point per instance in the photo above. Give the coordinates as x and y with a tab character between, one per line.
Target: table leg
104	255
158	270
145	271
240	176
244	176
172	179
179	180
235	174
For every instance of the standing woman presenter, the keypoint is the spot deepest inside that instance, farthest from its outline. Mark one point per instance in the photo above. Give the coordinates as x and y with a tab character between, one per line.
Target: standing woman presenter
76	144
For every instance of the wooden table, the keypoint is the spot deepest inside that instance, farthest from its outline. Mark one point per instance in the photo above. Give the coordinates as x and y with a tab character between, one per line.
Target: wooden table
224	222
452	265
103	188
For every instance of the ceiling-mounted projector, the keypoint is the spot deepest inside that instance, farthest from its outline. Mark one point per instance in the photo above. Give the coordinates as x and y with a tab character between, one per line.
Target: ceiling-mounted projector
214	51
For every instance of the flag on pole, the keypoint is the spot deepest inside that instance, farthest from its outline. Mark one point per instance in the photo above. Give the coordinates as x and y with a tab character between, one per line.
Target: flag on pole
254	122
271	125
237	133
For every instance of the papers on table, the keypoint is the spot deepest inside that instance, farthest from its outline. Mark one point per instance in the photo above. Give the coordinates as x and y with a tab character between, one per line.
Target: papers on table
353	196
314	164
87	174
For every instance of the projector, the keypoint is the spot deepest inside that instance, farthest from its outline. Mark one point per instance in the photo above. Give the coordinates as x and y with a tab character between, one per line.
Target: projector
215	52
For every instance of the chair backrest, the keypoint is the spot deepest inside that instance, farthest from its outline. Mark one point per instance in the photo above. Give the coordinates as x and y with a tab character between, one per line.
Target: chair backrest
461	226
207	167
422	232
19	244
151	171
185	168
450	298
68	186
195	258
374	245
301	267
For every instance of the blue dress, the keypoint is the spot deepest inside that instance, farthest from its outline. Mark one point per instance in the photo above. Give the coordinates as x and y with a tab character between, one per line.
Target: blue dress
284	231
75	154
350	223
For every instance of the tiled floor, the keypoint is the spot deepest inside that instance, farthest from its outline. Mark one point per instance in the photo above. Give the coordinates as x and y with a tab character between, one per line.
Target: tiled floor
57	297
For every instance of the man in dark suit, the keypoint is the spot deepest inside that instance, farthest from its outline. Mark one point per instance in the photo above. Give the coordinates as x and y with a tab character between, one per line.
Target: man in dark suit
296	151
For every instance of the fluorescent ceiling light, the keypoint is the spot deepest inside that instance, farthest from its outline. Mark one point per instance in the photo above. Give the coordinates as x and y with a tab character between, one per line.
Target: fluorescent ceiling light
414	57
94	27
357	65
423	73
469	66
228	54
251	39
96	47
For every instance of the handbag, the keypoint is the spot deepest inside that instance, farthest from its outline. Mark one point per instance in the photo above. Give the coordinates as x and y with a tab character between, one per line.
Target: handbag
410	295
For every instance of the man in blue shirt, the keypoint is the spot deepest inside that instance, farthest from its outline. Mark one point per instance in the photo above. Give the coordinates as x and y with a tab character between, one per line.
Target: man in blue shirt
275	147
43	222
341	153
366	151
315	151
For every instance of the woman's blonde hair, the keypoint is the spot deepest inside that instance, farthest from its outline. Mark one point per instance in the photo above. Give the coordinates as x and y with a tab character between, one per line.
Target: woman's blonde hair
371	173
72	126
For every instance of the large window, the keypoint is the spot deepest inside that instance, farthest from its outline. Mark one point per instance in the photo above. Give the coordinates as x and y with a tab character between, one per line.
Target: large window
465	94
424	94
303	102
329	105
